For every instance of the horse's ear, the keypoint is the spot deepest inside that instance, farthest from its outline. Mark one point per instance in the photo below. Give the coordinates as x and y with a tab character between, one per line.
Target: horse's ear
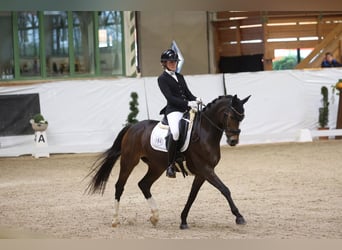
245	100
234	99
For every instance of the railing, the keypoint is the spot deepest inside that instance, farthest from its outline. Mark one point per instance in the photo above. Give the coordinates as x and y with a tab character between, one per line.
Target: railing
330	43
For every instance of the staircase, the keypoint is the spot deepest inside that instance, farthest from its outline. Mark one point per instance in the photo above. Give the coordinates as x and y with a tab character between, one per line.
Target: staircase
331	43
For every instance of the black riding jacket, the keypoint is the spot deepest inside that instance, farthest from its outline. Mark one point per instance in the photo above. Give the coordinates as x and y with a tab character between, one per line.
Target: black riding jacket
176	93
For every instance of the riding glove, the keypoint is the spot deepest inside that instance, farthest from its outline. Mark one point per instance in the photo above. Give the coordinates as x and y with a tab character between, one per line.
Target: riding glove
192	104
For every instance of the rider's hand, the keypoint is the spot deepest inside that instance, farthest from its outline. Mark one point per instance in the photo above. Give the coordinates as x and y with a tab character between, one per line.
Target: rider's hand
192	104
199	100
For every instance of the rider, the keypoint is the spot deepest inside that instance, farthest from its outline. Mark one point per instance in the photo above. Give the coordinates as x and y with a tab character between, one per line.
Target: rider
179	99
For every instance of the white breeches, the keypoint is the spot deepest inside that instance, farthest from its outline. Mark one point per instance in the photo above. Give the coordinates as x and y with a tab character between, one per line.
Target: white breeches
173	119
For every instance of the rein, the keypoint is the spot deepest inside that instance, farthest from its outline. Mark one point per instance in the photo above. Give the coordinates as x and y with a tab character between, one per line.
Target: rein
211	122
233	131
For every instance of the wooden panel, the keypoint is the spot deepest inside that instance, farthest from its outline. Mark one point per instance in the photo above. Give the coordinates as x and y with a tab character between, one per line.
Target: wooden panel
332	18
234	23
308	19
228	14
230	50
222	24
280	14
250	21
237	23
284	20
326	28
245	34
251	33
252	48
318	27
291	45
246	49
227	35
291	31
329	15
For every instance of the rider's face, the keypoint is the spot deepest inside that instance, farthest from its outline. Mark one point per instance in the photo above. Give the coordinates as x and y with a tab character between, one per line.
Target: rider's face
171	65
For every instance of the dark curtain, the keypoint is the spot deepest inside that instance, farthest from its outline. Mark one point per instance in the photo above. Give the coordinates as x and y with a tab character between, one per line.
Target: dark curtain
16	112
235	64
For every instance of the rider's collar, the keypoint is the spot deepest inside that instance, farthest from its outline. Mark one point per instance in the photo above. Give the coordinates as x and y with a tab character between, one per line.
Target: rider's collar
170	72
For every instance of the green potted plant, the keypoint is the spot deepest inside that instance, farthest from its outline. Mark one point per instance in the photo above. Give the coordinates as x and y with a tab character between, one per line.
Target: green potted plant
323	117
133	106
38	122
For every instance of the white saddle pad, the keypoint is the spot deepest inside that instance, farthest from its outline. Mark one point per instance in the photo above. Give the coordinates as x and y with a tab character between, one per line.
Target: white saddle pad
160	131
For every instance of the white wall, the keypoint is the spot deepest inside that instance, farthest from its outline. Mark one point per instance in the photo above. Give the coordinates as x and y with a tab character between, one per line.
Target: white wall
86	115
283	102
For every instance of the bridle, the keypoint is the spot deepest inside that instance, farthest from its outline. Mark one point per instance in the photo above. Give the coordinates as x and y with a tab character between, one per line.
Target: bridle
237	115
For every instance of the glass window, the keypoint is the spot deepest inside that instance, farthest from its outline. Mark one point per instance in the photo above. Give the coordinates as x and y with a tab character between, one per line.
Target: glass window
83	33
61	43
28	35
6	46
110	42
56	42
289	58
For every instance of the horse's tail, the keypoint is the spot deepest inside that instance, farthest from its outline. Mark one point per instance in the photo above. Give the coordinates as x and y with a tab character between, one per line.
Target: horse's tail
103	168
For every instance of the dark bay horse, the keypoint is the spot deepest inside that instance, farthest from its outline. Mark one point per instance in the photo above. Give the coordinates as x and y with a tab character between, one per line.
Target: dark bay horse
223	114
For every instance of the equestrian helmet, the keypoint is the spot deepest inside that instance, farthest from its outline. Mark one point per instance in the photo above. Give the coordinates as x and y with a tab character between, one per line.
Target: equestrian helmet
169	55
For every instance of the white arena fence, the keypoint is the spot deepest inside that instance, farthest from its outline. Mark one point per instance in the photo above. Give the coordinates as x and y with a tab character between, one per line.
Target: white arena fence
85	116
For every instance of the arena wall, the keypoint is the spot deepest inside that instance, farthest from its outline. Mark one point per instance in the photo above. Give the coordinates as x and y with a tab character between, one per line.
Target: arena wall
86	115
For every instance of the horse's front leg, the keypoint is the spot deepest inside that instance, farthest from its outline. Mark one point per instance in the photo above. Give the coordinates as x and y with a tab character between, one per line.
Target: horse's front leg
213	179
196	185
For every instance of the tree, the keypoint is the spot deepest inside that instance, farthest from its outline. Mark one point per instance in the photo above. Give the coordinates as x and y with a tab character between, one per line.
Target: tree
288	62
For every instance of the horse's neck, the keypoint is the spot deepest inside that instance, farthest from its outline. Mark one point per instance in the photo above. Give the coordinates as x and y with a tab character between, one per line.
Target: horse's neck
210	124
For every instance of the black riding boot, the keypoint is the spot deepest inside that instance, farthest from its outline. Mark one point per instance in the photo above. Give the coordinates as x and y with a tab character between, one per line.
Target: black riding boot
172	150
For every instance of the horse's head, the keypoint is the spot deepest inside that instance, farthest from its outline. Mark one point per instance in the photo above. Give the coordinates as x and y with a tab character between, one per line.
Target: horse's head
232	118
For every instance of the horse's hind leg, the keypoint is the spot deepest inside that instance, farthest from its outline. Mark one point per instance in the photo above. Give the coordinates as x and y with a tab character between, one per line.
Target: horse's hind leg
145	184
126	167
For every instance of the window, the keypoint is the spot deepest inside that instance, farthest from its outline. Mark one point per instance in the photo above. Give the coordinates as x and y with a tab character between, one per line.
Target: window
28	35
83	33
289	58
56	39
52	44
110	42
6	46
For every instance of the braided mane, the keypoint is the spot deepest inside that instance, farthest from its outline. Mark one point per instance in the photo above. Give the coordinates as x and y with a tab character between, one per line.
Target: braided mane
208	106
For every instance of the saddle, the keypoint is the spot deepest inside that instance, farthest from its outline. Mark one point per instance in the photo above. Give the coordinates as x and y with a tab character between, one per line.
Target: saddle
161	133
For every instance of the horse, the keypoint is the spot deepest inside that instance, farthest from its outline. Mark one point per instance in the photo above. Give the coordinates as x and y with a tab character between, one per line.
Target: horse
223	114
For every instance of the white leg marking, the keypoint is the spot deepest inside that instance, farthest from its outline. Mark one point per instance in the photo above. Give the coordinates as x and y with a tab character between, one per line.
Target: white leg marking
154	209
115	220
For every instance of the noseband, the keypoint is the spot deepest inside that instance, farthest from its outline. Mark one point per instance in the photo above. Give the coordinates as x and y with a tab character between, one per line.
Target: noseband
238	116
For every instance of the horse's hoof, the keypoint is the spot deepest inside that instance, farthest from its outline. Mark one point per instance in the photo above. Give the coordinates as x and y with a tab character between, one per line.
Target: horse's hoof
115	224
240	221
184	226
154	220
